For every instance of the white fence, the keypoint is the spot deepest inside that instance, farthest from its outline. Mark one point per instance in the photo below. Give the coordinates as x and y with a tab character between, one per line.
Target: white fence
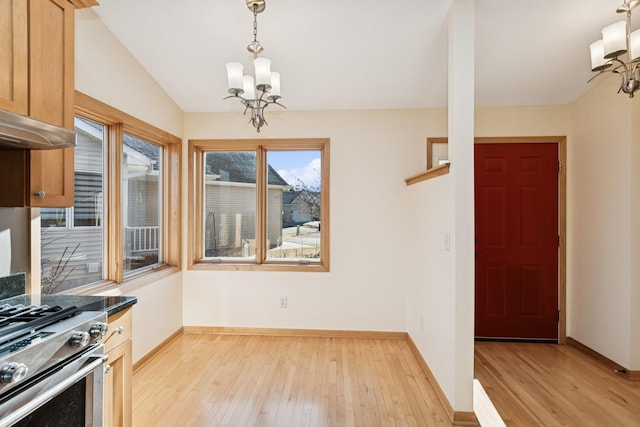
142	239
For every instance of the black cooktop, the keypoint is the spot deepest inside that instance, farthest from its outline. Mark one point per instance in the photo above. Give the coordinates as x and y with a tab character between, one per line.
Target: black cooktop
108	304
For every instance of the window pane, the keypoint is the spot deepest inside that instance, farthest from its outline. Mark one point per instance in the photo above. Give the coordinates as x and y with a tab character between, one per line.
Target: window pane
53	217
141	203
73	257
87	209
229	205
293	205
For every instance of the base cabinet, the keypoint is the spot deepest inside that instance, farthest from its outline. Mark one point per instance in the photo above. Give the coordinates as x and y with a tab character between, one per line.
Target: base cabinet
118	371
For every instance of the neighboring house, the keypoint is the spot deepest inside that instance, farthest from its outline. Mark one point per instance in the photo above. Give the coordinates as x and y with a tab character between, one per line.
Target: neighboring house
71	238
300	206
230	207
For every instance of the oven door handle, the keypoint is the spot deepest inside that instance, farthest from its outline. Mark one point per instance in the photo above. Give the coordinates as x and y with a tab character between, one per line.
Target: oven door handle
53	391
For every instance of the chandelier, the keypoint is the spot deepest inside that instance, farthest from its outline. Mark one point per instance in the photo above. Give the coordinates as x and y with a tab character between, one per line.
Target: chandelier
255	94
617	40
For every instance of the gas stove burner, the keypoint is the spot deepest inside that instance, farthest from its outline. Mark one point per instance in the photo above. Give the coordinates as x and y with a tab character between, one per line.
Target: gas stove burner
20	313
18	320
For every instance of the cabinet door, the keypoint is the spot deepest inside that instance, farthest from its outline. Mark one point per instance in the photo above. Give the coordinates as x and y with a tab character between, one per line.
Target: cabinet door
51	55
51	178
37	178
117	386
14	62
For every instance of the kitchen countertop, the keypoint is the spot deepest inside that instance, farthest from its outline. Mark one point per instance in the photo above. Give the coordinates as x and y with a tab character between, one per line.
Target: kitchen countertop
110	304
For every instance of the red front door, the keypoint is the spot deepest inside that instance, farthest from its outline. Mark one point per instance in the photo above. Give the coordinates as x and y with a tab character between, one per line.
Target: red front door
516	220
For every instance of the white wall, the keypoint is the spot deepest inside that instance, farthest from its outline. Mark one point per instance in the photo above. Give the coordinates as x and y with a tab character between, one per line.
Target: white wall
461	153
105	70
14	240
603	223
634	299
371	152
431	292
158	313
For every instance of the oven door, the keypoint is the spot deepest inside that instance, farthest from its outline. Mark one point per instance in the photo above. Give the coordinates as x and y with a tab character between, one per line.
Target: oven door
69	394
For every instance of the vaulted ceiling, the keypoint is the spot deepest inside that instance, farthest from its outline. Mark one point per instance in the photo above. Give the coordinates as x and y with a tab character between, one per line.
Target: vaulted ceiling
357	54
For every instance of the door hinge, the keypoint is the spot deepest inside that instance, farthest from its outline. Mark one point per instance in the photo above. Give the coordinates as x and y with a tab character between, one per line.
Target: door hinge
559	166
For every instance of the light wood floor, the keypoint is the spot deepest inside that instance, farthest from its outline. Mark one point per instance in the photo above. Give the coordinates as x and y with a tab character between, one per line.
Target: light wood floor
217	380
554	385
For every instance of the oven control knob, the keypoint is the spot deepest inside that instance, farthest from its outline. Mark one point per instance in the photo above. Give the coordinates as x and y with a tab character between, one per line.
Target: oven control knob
13	372
98	330
79	339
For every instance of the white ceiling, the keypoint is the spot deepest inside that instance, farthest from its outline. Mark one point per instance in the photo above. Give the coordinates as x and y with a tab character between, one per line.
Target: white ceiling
362	54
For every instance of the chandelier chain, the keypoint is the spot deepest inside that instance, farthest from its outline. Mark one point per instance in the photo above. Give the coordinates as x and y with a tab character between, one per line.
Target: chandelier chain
255	25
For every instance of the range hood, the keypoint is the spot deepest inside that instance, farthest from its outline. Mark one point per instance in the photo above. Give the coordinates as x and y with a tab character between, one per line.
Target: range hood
20	132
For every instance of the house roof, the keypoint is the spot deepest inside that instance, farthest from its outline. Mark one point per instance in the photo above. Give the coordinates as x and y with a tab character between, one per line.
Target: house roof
150	153
238	167
289	196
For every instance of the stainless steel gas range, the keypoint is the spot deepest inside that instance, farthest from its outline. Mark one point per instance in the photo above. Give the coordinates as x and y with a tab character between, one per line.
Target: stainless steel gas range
51	369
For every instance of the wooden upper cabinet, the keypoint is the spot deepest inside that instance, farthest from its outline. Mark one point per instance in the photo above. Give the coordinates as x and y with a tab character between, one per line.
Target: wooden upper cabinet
51	61
37	59
14	58
37	80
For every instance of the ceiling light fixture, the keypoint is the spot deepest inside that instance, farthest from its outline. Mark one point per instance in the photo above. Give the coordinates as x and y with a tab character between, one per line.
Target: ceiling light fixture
617	40
255	94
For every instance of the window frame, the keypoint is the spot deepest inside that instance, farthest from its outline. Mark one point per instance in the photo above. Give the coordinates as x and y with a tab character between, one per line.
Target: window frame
116	124
197	148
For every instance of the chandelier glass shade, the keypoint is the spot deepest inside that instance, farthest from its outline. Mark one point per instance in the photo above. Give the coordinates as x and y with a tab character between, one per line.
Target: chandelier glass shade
255	93
608	54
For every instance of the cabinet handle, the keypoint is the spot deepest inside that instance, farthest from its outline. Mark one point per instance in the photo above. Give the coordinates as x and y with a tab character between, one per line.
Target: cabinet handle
40	194
119	330
107	369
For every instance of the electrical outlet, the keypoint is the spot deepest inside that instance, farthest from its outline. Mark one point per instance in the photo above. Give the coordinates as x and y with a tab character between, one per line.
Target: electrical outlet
283	302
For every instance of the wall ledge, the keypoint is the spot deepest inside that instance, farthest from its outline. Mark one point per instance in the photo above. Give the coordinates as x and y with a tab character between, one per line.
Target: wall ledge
428	174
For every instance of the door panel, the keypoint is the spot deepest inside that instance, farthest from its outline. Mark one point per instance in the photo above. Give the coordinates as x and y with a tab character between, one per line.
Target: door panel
516	220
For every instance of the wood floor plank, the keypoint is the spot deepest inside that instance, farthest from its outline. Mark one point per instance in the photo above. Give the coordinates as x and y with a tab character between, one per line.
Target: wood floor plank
215	380
554	385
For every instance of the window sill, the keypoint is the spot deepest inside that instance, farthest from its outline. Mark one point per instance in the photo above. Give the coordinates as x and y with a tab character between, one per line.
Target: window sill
428	174
301	268
126	287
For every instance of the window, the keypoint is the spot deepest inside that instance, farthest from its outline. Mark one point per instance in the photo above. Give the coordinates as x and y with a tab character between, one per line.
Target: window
141	203
125	189
259	204
72	239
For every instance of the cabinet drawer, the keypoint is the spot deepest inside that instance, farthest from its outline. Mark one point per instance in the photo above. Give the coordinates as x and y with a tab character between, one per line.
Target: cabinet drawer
120	329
